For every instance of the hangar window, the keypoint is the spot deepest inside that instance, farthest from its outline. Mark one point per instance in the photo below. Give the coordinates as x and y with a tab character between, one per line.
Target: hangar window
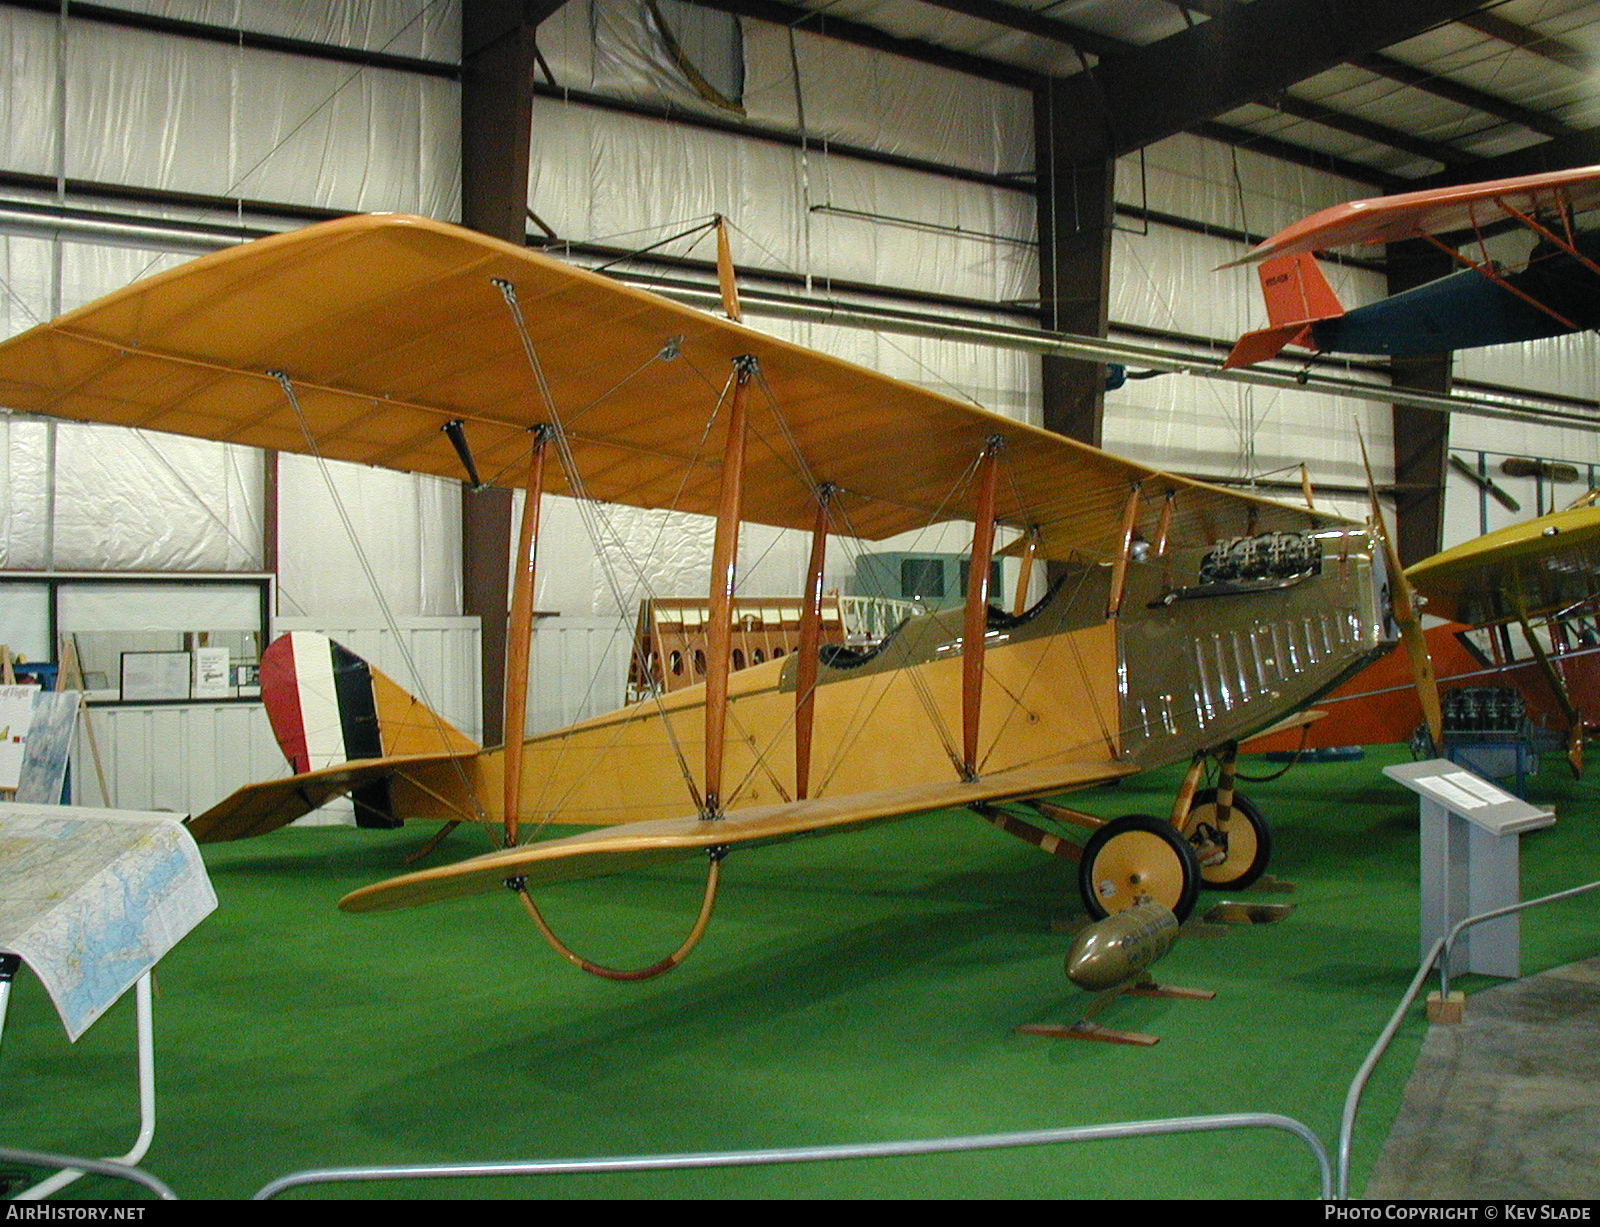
151	638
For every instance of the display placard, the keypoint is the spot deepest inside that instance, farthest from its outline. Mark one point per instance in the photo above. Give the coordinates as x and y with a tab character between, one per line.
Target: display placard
155	677
212	679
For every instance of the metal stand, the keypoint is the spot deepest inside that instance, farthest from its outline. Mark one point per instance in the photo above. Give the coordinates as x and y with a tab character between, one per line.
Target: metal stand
94	899
1470	862
8	968
147	1083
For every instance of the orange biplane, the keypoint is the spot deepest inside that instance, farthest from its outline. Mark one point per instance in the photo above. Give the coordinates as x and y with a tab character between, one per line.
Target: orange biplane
1179	617
1554	289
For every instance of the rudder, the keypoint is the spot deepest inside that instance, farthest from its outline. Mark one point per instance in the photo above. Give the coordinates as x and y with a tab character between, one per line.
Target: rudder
1297	296
1295	290
329	706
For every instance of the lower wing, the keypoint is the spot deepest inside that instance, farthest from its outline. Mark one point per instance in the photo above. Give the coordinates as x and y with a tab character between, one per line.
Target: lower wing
614	849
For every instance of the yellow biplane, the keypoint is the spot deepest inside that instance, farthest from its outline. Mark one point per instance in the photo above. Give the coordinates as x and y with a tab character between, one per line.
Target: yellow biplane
1178	617
1543	576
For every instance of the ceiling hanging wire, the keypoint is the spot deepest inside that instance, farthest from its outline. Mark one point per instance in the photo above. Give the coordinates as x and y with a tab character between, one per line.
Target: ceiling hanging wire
805	162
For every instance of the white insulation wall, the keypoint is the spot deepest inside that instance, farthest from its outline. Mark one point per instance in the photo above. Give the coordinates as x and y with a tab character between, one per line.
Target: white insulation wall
143	109
150	110
1168	279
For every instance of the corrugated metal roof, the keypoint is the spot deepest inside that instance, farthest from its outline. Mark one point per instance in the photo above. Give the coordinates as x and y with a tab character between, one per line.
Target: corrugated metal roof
1517	56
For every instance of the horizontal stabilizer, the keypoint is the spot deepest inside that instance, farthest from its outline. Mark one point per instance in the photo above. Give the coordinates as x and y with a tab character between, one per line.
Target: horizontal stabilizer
256	809
1262	344
637	845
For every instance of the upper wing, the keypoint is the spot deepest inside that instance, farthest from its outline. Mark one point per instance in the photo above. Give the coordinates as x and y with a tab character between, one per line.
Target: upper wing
614	849
1408	215
389	327
1544	565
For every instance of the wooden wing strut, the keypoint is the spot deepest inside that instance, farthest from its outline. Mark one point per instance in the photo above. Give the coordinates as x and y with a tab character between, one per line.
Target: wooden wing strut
724	567
805	674
1030	552
977	613
519	641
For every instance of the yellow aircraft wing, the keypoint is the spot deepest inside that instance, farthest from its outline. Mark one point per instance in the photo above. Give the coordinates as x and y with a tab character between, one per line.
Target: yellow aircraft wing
388	327
1547	563
614	849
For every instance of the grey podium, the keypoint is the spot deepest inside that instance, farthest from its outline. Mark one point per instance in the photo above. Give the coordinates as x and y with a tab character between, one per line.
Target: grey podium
1470	862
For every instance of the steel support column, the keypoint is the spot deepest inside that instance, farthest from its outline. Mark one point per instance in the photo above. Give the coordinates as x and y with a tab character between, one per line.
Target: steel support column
1075	206
1421	438
497	64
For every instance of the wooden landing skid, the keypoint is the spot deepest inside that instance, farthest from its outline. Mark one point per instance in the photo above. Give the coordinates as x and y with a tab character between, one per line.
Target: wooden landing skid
1089	1031
1086	1029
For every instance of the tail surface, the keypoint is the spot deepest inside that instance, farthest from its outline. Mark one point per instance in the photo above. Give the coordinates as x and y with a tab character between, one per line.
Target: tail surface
328	706
1297	295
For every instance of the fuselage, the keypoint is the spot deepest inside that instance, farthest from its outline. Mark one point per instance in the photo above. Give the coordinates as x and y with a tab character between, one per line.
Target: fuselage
1555	293
1209	645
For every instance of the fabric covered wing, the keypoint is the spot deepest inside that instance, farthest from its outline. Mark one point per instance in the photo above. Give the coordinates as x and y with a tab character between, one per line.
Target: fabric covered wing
1546	564
615	849
1408	215
389	327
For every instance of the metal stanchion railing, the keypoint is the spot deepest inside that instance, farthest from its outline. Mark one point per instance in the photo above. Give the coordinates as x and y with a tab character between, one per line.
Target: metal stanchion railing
1438	953
814	1154
1450	937
101	1167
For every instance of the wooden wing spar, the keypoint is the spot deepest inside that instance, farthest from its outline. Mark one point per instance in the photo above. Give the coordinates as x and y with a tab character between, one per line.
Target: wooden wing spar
361	339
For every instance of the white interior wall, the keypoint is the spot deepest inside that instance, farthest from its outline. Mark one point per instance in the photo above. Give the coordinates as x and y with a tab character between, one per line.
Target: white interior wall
1170	279
423	29
145	109
148	110
621	180
186	757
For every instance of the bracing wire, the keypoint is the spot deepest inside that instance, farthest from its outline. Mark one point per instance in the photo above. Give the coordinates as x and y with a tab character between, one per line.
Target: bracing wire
592	517
413	673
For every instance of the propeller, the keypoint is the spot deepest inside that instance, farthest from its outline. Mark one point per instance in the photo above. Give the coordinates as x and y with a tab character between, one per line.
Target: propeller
1404	601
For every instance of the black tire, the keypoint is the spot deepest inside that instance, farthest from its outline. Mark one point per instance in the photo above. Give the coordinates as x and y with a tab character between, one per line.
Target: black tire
1137	856
1247	844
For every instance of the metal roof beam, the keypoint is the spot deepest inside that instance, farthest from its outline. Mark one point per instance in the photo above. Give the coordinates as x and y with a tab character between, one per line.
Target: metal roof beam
1378	134
1546	45
995	12
1011	17
1562	153
1243	53
1462	95
862	35
1040	26
1419	79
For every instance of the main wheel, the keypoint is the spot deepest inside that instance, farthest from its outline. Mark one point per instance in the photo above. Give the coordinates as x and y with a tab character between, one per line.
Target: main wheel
1232	854
1138	857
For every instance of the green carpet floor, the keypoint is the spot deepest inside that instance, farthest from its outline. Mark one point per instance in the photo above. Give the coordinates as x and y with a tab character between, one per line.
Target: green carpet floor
857	988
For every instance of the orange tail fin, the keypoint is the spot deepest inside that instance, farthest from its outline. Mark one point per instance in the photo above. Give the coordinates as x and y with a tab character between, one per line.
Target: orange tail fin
1296	291
1297	295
